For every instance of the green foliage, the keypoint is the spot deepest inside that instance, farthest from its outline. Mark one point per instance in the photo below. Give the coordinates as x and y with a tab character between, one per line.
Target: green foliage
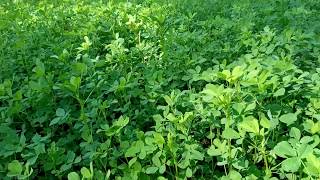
156	89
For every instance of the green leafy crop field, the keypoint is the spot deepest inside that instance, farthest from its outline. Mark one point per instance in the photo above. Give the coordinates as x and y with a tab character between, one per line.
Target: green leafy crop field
160	89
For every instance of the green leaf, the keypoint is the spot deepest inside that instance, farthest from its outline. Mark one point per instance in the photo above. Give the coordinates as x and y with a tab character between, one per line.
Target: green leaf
289	118
158	138
15	168
250	124
306	139
234	175
55	121
108	174
189	172
142	153
168	100
187	116
279	92
60	112
151	170
78	159
39	69
230	134
171	117
85	172
17	96
226	74
291	164
117	126
315	127
284	149
304	150
70	156
196	155
132	161
161	178
65	167
162	168
79	68
295	133
213	90
75	82
313	165
237	72
132	151
239	107
156	160
212	151
184	163
73	176
265	122
149	140
121	122
251	106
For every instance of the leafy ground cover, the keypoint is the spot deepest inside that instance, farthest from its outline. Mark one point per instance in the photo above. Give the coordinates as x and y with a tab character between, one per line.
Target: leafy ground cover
186	89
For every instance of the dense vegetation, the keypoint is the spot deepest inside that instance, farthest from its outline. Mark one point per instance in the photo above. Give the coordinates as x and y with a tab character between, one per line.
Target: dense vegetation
198	89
